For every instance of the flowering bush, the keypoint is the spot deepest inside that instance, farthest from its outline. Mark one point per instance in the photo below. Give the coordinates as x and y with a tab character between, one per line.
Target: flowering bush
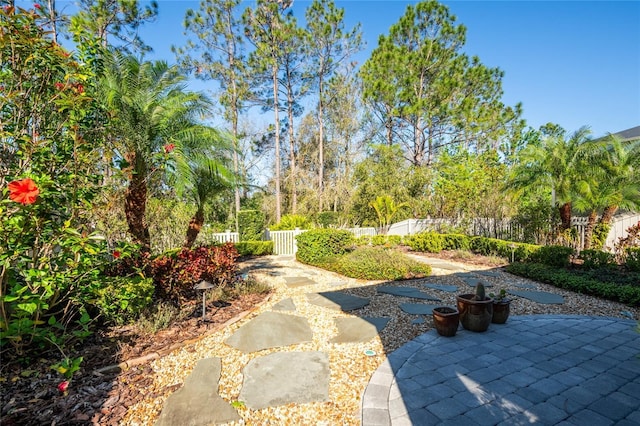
49	260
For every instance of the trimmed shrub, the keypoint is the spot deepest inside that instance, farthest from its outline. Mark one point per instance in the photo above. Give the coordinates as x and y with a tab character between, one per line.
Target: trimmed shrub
429	242
315	245
364	240
455	242
556	256
254	248
375	263
326	219
580	283
632	260
123	298
386	240
594	259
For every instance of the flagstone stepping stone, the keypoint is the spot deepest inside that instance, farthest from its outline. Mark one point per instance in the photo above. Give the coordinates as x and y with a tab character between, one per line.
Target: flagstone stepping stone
357	330
298	281
489	273
311	273
284	305
473	281
406	292
541	297
443	265
442	287
418	321
271	330
198	402
417	308
337	300
523	285
285	377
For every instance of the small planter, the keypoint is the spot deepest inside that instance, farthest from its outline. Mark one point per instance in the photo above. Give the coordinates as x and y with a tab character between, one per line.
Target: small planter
475	315
446	320
501	312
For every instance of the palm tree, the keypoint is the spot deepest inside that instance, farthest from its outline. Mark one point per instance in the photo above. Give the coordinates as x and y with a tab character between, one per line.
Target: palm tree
200	179
386	209
151	119
554	163
621	174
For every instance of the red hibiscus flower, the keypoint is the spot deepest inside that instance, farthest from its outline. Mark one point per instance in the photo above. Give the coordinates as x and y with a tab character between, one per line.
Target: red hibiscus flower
116	254
37	6
79	88
23	191
59	86
169	147
62	387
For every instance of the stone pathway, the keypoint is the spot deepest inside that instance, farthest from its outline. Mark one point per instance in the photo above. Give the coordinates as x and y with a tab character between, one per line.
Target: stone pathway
423	381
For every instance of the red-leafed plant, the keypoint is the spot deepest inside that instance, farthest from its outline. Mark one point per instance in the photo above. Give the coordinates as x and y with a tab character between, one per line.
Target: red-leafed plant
176	275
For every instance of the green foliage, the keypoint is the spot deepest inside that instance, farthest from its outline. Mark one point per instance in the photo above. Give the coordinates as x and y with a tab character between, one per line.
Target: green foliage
579	282
254	248
290	222
594	259
327	219
121	299
556	256
386	209
381	240
317	244
428	242
68	366
600	234
505	249
49	261
251	224
158	317
632	259
456	242
374	263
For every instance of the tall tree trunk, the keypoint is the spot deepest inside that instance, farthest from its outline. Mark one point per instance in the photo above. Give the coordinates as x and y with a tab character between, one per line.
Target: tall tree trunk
292	157
588	232
608	213
320	145
565	216
276	112
134	209
195	225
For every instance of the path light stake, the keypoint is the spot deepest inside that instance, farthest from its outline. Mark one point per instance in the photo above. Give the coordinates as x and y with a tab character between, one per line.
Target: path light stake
204	286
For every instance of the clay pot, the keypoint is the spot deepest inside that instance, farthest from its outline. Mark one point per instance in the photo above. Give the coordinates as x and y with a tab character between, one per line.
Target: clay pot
446	320
501	312
475	315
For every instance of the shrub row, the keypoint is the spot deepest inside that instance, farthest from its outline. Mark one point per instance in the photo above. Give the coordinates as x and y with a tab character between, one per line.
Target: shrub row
562	278
433	242
254	248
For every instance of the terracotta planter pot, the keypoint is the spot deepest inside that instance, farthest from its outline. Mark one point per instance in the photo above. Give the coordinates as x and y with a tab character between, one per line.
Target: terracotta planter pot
475	315
500	312
446	320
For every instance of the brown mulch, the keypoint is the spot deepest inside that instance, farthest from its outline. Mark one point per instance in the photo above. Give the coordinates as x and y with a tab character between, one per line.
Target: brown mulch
29	393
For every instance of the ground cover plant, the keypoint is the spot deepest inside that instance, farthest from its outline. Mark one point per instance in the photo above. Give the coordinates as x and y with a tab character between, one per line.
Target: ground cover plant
335	250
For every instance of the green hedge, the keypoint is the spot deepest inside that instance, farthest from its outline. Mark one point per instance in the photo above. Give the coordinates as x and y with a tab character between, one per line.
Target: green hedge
254	248
562	278
456	242
428	242
594	259
315	245
556	256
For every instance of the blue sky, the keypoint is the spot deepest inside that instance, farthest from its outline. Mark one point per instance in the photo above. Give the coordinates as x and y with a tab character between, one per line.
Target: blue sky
573	63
